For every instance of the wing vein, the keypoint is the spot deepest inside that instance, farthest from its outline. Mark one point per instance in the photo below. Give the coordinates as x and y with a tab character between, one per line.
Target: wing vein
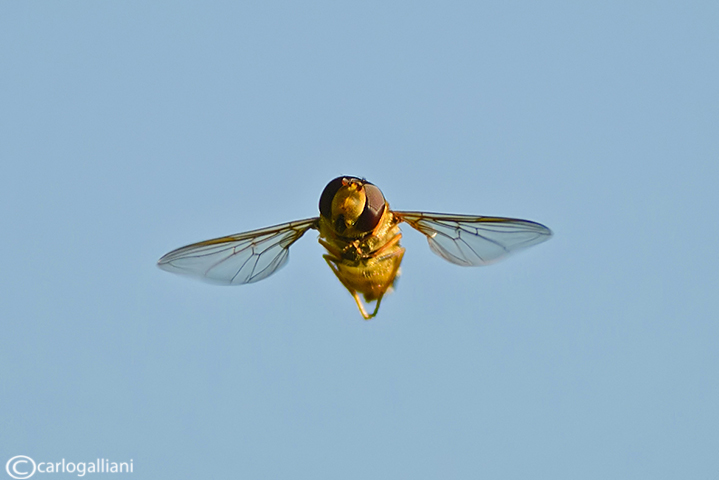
237	259
475	240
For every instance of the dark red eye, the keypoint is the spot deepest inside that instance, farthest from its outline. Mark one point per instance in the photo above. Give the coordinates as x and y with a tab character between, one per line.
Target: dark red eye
373	209
328	194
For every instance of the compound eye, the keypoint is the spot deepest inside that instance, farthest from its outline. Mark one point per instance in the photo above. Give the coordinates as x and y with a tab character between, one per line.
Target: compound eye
373	209
328	194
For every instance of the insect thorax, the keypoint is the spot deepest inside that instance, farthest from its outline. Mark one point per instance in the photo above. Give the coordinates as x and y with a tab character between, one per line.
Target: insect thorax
359	248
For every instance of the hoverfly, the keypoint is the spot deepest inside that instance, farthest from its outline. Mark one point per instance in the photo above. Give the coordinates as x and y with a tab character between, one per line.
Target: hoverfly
361	235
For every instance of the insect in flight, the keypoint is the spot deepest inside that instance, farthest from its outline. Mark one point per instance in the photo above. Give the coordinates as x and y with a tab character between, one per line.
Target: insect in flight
361	235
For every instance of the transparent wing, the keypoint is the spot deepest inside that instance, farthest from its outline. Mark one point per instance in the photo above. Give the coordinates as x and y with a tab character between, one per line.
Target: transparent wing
237	259
473	241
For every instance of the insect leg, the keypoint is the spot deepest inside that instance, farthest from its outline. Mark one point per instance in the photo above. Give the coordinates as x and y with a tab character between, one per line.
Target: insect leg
331	262
399	253
394	241
361	307
330	248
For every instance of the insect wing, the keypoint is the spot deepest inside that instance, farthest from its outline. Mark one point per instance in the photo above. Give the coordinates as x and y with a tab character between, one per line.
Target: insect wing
237	259
473	241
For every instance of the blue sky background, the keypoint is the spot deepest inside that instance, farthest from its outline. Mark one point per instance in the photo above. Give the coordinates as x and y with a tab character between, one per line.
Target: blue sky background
133	128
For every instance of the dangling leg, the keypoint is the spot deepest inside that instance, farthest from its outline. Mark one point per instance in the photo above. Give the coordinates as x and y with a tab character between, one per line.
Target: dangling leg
331	262
361	306
399	253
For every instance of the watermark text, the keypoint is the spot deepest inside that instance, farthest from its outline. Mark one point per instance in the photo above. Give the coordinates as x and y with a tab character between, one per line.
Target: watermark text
21	467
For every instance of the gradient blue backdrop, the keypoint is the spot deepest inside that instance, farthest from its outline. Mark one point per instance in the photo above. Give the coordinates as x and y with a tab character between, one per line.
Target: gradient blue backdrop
132	128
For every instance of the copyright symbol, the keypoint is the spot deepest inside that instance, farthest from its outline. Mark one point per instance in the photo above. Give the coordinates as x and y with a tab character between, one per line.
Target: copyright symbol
20	466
